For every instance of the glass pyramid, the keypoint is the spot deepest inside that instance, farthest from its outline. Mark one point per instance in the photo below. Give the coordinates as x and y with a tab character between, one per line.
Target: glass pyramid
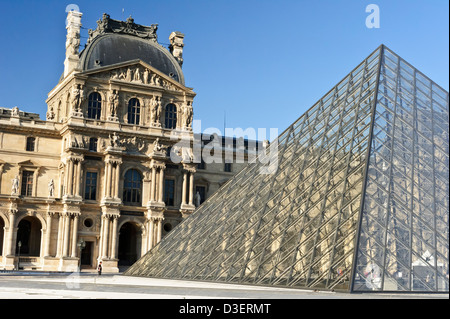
359	200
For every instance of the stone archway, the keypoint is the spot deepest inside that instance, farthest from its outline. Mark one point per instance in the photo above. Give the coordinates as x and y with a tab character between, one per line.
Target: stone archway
29	235
129	244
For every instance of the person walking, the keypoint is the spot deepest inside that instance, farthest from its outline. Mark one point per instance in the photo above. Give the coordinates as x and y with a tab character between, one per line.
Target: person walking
100	268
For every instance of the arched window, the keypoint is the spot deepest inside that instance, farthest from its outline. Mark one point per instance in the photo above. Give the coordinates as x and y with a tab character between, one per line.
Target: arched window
94	106
171	116
132	188
134	111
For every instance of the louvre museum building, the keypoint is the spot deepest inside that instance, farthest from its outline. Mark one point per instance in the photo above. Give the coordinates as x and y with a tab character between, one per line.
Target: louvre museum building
357	199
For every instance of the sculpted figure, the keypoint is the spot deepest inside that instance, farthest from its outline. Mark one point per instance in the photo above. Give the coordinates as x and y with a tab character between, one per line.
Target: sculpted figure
15	185
128	76
137	75
198	199
146	74
77	99
122	75
15	111
51	188
156	146
50	114
73	43
158	109
114	140
154	109
81	99
187	115
113	103
153	79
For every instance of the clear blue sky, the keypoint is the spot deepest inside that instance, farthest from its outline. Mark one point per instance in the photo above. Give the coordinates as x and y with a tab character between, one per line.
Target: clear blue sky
264	62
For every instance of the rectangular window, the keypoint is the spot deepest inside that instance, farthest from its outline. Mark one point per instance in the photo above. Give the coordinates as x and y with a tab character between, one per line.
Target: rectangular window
169	192
93	144
27	183
228	167
90	192
31	141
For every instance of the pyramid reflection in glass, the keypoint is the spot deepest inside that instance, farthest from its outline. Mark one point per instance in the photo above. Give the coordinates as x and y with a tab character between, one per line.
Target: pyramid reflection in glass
359	200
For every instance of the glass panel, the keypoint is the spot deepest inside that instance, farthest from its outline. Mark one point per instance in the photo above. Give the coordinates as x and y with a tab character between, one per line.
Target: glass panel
399	244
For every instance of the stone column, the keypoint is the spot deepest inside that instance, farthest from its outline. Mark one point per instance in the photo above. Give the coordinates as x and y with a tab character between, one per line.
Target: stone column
100	242
161	185
60	235
191	188
159	230
151	242
70	177
114	238
108	180
75	236
78	177
105	237
48	234
184	190
65	181
113	180
153	185
66	218
10	243
188	188
117	180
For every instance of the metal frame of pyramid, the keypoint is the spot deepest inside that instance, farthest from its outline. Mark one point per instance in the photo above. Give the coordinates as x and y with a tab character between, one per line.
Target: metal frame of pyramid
358	201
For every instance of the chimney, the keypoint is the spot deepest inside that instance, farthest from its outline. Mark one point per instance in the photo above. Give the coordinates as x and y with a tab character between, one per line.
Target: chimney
176	46
73	41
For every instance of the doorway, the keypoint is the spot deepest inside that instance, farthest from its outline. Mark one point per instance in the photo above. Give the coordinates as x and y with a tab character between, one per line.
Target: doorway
29	236
86	255
129	244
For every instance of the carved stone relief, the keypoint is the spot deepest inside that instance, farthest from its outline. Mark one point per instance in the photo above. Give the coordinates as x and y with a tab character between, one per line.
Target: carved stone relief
140	75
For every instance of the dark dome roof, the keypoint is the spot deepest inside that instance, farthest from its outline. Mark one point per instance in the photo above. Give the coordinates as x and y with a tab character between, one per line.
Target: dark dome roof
111	48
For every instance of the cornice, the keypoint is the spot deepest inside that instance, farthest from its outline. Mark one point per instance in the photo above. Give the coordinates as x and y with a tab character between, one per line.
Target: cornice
30	128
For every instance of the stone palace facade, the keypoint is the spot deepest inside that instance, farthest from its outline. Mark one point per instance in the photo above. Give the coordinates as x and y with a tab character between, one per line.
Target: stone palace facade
113	168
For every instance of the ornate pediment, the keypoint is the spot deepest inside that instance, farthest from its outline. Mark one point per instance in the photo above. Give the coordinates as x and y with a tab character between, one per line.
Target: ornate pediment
26	163
137	72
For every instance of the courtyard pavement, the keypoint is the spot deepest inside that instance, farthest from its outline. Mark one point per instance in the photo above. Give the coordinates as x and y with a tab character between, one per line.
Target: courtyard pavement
88	285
